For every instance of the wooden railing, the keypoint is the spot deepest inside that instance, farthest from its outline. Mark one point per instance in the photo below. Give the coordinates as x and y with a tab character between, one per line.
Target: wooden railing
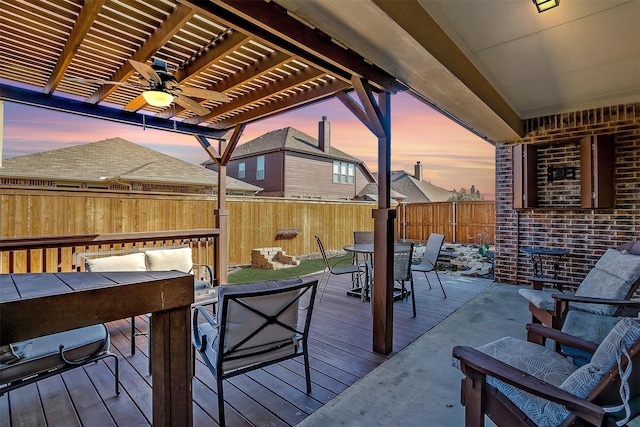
47	254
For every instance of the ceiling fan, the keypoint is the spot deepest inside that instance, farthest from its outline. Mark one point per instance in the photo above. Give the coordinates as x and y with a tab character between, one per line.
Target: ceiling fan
161	88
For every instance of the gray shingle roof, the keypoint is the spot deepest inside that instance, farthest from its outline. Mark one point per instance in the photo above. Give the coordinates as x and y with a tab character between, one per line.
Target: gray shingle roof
417	191
111	159
289	139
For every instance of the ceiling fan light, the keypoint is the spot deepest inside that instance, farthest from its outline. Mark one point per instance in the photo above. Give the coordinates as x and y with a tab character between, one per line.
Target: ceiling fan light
157	98
543	5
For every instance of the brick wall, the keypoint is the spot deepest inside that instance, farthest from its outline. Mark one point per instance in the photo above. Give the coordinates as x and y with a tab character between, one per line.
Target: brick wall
558	221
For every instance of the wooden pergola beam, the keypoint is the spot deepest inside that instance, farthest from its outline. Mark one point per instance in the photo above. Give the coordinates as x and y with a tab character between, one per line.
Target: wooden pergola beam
271	23
288	103
87	15
174	23
291	81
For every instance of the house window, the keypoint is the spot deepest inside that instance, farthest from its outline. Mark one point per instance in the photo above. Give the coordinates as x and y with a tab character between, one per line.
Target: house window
240	170
344	173
260	168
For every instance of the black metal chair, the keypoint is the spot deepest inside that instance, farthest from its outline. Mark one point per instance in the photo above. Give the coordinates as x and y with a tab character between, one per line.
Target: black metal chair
402	256
430	258
256	325
356	270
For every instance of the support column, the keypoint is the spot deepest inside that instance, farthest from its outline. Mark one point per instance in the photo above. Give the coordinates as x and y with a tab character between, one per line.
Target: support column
222	224
377	117
221	215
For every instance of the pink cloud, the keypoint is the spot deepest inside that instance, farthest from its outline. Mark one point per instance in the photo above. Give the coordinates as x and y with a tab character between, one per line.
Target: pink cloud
452	157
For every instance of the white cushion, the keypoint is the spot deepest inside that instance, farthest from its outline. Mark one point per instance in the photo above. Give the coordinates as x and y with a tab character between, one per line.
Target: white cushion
131	262
169	259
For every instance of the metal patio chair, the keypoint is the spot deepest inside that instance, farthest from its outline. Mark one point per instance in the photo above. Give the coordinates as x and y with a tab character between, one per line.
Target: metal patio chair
430	259
256	325
353	269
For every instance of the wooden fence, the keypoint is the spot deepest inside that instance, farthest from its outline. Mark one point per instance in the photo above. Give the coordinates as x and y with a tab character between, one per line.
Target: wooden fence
253	222
460	222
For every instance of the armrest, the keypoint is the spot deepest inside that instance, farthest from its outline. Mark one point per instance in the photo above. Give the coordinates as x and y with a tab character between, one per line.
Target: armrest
201	341
560	337
590	300
209	271
559	284
474	360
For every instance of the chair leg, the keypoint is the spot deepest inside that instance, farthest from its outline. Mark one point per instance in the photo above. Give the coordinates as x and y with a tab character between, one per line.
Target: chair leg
116	373
220	402
149	345
133	335
427	277
413	296
307	370
324	288
441	287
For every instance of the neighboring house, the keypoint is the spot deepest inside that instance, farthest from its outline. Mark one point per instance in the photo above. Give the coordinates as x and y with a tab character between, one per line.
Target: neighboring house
370	194
289	163
415	189
115	164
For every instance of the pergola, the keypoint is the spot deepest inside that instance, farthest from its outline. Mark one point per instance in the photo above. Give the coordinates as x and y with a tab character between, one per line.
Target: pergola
486	64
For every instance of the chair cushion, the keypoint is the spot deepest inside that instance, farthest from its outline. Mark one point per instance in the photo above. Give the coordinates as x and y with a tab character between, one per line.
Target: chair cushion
611	278
588	326
42	354
630	247
169	259
540	298
583	380
539	361
250	356
130	262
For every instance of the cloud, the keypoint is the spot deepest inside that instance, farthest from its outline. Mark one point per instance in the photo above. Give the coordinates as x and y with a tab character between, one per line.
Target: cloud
452	157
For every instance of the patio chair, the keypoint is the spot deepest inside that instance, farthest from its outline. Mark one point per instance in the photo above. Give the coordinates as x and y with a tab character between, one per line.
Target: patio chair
590	327
329	269
402	256
430	259
256	325
519	383
33	360
616	276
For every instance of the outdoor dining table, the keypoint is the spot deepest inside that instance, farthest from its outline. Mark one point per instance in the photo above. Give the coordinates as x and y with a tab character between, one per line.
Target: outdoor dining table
38	304
366	249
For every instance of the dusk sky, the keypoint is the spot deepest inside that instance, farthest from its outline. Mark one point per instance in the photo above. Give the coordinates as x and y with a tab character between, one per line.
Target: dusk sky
452	157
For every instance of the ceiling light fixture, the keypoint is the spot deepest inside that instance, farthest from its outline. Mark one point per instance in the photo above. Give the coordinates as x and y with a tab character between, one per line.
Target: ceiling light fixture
157	98
543	5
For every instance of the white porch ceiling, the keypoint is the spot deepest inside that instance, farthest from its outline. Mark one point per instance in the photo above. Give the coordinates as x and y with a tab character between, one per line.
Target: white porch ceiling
513	63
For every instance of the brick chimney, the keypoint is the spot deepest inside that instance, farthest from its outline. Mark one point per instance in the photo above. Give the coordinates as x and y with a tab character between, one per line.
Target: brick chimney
418	171
324	135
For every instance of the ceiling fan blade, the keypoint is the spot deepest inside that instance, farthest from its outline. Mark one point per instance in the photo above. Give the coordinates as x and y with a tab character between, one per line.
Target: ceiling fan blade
190	104
146	71
203	93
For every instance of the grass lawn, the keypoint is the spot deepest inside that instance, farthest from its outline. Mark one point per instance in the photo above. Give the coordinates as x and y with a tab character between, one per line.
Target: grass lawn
249	275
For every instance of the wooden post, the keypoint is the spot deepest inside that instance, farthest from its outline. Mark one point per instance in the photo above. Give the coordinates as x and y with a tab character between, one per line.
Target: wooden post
221	263
171	343
377	117
222	224
383	231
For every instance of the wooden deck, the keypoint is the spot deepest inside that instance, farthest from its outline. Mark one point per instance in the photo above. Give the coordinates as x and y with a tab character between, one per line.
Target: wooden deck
340	349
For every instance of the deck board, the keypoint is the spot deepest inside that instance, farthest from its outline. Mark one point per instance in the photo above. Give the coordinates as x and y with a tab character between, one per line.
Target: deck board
340	347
